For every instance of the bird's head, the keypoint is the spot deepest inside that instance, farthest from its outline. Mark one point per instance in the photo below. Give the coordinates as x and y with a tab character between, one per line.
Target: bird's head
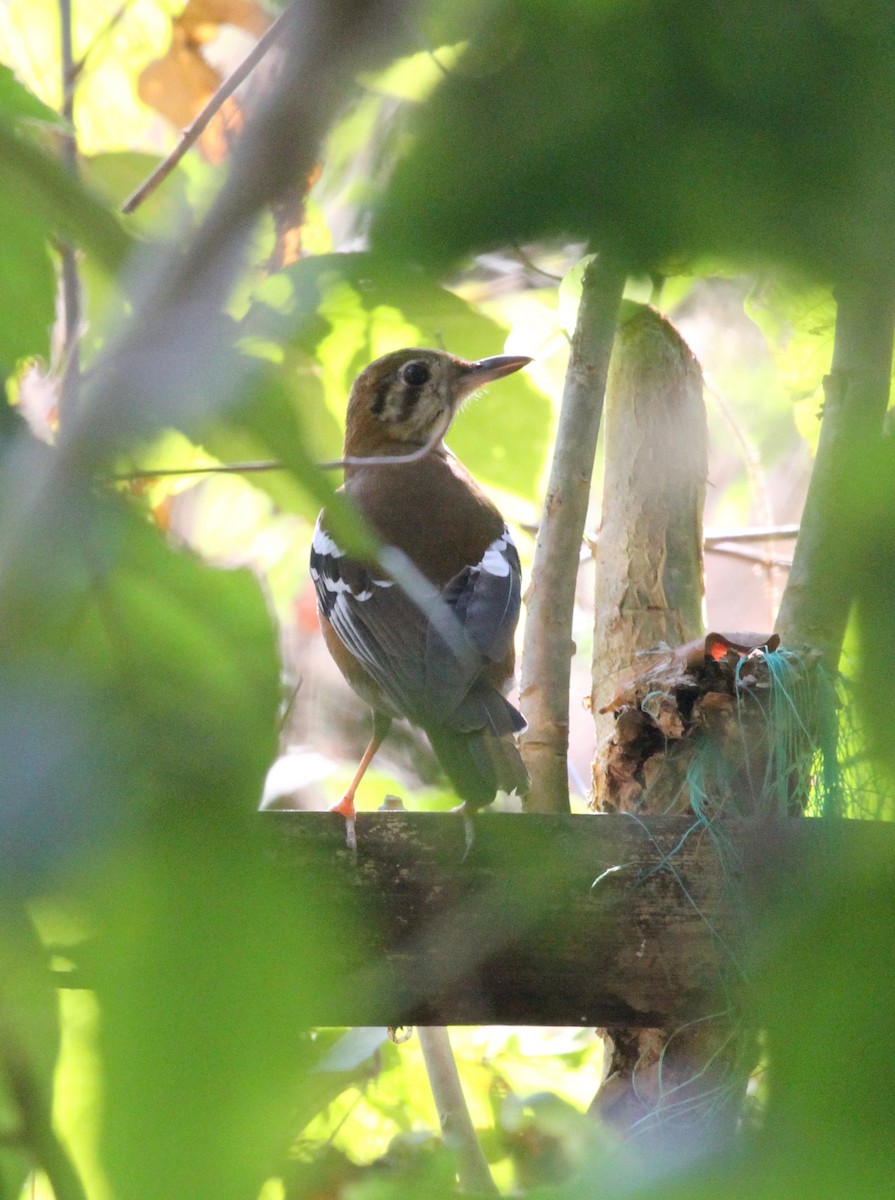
402	400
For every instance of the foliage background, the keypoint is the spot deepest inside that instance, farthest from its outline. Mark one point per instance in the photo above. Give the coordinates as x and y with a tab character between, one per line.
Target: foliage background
743	151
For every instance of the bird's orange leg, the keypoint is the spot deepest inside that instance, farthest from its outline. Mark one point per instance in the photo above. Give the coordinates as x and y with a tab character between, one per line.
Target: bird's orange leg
345	807
346	804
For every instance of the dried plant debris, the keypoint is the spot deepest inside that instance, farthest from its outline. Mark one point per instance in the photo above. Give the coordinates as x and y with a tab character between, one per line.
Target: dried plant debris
723	724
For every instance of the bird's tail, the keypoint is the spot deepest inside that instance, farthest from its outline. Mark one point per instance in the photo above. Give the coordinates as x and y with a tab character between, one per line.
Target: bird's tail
482	761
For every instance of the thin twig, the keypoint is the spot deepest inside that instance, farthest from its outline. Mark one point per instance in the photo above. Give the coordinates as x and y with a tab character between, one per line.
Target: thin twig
201	123
336	464
453	1113
533	266
751	533
752	556
244	468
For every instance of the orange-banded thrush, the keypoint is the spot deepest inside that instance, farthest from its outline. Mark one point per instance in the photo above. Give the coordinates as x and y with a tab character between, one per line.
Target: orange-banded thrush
443	662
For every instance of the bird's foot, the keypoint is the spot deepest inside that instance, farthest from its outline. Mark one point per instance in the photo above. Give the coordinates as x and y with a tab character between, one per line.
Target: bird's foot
467	814
345	808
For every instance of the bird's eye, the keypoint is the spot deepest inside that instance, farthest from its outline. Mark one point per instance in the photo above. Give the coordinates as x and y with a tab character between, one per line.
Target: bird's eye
416	374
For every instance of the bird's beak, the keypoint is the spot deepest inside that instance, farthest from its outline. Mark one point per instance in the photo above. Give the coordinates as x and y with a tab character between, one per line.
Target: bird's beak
477	374
487	369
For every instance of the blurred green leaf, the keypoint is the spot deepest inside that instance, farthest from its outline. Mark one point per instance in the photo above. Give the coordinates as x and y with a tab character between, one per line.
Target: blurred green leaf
27	280
39	198
27	283
139	701
133	674
43	187
798	324
212	955
747	129
114	176
416	1164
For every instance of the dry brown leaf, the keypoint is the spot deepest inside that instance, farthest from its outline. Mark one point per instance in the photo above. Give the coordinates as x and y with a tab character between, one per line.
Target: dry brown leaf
204	17
289	215
181	83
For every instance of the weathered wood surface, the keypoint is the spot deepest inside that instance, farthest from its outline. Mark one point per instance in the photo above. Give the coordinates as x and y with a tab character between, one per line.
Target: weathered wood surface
550	920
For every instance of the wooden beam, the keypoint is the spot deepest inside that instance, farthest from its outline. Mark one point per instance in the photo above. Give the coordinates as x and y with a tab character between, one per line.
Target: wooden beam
550	920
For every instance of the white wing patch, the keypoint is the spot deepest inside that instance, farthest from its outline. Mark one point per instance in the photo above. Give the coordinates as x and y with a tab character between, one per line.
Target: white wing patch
338	576
495	560
323	544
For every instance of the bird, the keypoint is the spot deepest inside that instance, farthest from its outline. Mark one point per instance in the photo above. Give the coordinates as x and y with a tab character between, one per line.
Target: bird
425	632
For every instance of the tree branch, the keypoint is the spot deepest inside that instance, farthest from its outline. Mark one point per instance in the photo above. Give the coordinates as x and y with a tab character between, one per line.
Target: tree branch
453	1114
548	646
617	920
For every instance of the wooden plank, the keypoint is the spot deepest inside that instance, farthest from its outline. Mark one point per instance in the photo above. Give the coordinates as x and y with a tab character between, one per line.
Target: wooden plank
550	920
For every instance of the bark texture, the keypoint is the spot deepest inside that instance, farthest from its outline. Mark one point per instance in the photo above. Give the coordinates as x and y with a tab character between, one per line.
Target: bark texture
548	920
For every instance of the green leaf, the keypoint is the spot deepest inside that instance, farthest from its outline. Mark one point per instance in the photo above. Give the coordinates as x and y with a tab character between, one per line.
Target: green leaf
39	200
211	954
27	282
18	103
798	323
734	127
138	706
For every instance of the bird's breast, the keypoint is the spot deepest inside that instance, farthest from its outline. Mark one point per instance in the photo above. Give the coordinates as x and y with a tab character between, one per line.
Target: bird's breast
432	510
